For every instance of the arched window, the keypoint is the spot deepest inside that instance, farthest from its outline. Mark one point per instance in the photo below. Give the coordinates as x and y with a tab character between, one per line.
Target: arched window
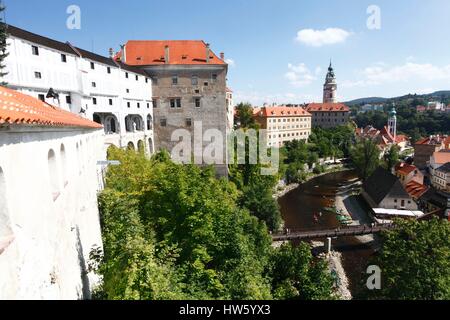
53	174
64	165
141	146
5	224
149	122
131	146
97	118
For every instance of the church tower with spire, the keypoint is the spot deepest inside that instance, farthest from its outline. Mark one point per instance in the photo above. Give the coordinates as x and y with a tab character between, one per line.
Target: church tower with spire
392	123
330	87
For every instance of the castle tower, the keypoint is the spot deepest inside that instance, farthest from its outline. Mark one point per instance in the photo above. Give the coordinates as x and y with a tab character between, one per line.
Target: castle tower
330	87
392	122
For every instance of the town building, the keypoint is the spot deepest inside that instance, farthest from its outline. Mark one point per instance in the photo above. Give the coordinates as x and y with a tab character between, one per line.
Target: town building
384	190
441	177
330	113
425	148
283	124
189	89
406	173
49	219
386	137
438	159
108	92
371	107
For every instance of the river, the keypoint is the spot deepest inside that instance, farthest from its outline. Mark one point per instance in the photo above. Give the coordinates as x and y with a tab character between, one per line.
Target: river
300	209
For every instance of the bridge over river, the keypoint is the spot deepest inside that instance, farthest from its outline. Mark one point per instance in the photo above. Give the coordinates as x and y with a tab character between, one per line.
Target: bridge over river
332	233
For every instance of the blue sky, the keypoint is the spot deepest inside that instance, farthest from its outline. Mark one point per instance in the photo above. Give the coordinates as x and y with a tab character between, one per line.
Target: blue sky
280	50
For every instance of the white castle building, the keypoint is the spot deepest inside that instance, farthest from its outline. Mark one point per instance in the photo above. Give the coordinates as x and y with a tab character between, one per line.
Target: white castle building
108	92
49	219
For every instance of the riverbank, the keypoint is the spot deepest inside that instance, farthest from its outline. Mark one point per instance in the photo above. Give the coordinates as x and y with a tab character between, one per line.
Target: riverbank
279	193
347	204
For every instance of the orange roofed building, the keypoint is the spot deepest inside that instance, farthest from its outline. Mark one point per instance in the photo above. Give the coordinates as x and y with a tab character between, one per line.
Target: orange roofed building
284	124
189	83
49	179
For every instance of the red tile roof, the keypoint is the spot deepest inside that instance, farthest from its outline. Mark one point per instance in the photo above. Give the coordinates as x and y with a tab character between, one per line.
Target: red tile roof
283	112
442	156
404	168
327	107
435	140
181	52
18	108
415	189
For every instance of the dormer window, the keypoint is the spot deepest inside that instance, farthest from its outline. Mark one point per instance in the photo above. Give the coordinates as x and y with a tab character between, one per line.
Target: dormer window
35	50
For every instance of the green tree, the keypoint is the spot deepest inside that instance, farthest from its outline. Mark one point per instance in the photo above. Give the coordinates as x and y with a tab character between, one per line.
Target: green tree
3	45
244	116
391	157
296	274
415	261
366	157
177	232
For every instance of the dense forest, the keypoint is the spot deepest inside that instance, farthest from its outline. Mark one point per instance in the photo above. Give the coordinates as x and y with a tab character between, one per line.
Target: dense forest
177	232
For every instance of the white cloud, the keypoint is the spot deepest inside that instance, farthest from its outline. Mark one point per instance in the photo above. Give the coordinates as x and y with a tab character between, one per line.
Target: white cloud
318	38
300	75
257	98
230	62
413	73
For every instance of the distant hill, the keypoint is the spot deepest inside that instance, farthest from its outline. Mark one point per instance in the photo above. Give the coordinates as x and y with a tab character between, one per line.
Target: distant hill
438	95
372	100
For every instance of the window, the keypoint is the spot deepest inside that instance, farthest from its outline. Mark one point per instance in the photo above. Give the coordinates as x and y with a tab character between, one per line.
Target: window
68	99
129	104
148	105
94	85
175	103
188	122
63	58
149	122
155	81
137	78
128	90
146	80
163	122
175	80
41	97
138	105
126	75
35	50
214	77
110	102
197	102
64	165
53	173
38	75
94	101
92	66
108	70
155	103
194	80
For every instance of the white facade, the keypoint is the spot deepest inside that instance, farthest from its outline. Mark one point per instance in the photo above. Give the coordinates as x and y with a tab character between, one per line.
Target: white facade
91	85
49	219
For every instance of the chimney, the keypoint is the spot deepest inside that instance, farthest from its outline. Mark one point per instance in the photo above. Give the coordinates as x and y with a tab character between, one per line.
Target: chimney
208	52
124	53
222	56
167	54
111	52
